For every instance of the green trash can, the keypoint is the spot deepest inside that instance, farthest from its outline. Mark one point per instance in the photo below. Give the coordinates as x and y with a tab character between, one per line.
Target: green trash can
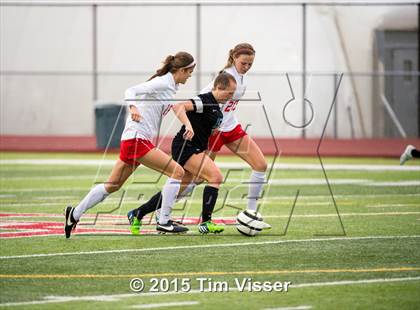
109	124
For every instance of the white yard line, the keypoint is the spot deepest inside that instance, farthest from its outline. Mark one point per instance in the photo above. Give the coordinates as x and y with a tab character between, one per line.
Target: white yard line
166	304
395	183
281	182
394	205
121	218
303	307
223	165
118	297
205	246
48	190
54	177
343	214
7	196
367	281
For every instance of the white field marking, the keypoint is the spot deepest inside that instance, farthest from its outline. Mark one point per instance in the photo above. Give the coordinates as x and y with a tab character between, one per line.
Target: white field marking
166	304
312	197
7	196
103	220
55	177
283	181
125	201
55	197
235	165
394	205
304	307
367	281
343	214
397	183
56	189
301	197
40	204
312	181
118	297
283	201
308	181
206	246
60	203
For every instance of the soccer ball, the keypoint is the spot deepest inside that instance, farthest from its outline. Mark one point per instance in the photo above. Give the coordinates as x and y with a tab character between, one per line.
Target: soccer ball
250	223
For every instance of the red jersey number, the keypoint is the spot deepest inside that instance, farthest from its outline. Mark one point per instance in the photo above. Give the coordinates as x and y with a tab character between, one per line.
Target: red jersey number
231	105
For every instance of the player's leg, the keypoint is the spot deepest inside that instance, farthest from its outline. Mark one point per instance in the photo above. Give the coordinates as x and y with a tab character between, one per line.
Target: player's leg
202	166
119	174
409	152
155	202
160	161
189	182
248	150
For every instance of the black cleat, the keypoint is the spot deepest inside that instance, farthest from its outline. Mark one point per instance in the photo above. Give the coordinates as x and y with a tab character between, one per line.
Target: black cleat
70	223
171	227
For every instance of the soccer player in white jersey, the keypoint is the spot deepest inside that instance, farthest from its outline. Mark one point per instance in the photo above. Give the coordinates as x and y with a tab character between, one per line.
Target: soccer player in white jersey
231	134
136	147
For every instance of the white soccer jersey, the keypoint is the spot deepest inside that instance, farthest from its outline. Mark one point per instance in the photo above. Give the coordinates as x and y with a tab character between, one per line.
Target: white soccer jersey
154	103
229	119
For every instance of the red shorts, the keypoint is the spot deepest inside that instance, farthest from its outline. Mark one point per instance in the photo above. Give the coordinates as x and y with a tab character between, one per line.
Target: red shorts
221	138
132	149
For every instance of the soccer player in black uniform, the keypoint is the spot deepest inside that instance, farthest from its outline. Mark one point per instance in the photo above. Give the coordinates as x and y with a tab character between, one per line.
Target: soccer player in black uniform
204	115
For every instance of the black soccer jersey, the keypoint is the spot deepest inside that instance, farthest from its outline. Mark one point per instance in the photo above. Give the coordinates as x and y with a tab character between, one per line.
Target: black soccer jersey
205	117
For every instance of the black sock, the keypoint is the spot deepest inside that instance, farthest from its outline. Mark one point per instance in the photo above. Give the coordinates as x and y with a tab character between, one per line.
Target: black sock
152	205
209	200
415	153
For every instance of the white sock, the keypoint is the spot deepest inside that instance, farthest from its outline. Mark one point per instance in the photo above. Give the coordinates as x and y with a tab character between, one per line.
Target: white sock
256	183
169	192
95	196
190	187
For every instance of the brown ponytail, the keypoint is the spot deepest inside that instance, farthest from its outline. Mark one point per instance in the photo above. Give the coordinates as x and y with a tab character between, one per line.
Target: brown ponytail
240	49
174	63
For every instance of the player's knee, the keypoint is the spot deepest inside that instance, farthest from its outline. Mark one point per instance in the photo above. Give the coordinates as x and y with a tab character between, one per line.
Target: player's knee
111	187
216	178
260	166
198	181
178	173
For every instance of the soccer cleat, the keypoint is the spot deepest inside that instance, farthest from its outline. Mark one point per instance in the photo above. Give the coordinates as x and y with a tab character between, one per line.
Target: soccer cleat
407	154
171	227
157	215
210	227
265	225
135	223
70	223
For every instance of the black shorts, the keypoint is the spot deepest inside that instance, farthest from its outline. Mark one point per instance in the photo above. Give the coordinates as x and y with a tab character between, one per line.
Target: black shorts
182	150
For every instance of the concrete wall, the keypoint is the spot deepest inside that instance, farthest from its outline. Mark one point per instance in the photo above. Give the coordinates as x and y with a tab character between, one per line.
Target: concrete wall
136	39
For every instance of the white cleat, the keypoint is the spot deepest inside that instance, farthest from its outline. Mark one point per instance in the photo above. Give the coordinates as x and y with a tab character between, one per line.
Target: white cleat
265	225
407	154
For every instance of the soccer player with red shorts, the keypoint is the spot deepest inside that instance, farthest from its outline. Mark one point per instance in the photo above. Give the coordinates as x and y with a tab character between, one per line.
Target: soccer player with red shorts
231	133
136	147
